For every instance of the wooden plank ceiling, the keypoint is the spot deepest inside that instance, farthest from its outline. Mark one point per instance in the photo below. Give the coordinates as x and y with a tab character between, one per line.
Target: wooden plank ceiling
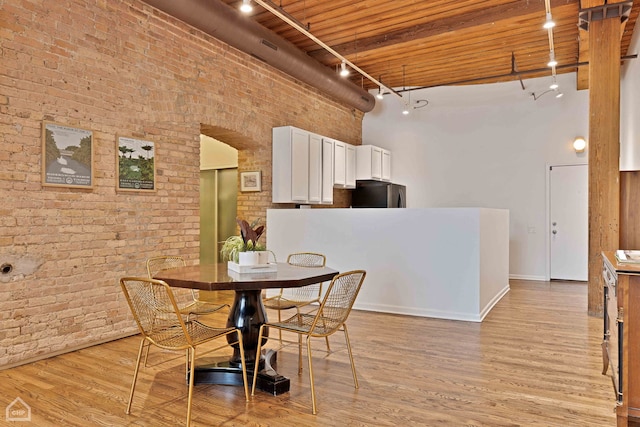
425	43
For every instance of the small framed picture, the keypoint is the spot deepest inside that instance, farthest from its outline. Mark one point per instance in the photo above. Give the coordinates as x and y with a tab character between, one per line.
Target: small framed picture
250	181
136	164
67	156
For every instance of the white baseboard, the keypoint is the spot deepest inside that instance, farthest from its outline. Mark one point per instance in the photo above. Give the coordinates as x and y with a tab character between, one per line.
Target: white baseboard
525	277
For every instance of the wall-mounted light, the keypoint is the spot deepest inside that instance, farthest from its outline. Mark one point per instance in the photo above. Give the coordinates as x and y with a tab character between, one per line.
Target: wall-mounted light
579	144
246	7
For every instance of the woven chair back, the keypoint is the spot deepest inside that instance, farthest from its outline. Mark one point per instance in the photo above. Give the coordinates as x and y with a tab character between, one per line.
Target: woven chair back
155	311
338	302
165	262
309	292
159	263
306	259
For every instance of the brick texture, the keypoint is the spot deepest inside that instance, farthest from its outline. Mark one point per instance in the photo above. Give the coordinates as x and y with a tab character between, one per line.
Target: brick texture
120	67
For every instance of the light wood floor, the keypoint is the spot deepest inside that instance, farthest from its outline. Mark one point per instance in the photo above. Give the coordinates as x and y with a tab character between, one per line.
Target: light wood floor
534	361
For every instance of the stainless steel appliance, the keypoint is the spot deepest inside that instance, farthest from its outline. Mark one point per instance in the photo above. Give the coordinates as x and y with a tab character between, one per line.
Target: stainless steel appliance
377	194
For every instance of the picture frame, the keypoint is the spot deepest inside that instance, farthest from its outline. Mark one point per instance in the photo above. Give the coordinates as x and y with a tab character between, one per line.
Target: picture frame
67	156
135	164
250	181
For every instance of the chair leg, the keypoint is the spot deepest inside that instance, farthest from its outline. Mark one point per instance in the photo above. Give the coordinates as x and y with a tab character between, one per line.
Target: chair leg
313	388
353	365
280	330
186	365
146	355
299	354
244	364
190	395
135	376
327	337
257	366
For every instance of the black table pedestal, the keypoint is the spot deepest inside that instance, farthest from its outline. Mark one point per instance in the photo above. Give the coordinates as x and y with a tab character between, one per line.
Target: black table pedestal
247	314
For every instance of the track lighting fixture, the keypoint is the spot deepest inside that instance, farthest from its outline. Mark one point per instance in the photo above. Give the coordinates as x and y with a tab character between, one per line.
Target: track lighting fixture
554	85
246	7
380	95
405	111
538	96
549	23
552	59
344	72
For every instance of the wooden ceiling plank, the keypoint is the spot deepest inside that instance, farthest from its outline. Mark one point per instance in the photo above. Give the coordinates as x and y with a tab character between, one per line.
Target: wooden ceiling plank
456	23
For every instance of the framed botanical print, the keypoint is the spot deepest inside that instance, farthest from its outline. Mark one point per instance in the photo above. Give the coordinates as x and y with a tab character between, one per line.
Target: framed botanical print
67	156
135	164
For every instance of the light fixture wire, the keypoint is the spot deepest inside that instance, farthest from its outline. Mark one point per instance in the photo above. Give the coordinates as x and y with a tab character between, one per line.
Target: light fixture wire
273	9
552	50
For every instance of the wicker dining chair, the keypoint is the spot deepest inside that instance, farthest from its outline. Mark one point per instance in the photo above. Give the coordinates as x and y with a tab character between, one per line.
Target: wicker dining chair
148	300
303	296
192	305
330	317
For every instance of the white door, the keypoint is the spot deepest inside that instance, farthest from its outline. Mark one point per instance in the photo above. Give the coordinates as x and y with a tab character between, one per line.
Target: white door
569	228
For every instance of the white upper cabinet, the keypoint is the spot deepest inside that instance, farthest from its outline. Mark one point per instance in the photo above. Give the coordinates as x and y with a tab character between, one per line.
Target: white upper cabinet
373	163
290	157
350	166
386	165
299	167
327	171
339	162
315	168
344	165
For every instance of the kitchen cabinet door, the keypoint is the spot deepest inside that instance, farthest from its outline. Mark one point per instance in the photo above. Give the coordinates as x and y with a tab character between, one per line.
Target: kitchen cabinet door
373	163
315	168
290	162
350	166
327	171
339	164
299	166
386	165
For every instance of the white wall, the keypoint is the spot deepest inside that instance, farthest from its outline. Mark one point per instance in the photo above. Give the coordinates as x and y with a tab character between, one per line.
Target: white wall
422	262
485	146
630	108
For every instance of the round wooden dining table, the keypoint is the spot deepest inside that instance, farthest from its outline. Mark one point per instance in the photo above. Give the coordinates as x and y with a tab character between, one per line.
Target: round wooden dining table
247	313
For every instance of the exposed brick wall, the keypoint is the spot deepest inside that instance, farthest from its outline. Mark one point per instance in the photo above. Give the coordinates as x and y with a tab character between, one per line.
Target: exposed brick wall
120	68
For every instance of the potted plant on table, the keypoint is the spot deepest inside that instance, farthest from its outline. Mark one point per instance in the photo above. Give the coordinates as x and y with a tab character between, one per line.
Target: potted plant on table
245	249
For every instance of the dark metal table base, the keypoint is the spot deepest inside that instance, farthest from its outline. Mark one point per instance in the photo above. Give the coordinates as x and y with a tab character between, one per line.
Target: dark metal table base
228	373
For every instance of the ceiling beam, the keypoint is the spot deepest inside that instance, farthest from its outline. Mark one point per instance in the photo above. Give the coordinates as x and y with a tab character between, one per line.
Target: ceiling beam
587	7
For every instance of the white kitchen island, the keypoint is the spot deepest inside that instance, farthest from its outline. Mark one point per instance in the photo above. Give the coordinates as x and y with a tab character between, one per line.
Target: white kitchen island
450	263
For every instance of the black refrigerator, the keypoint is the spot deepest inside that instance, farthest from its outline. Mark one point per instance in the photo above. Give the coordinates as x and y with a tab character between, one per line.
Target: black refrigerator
377	194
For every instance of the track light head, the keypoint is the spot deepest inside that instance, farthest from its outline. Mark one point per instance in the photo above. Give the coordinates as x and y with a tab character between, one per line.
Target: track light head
549	23
246	7
344	72
552	60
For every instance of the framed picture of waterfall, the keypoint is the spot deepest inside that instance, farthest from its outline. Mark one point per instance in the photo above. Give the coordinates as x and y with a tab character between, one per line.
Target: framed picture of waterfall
135	164
67	156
